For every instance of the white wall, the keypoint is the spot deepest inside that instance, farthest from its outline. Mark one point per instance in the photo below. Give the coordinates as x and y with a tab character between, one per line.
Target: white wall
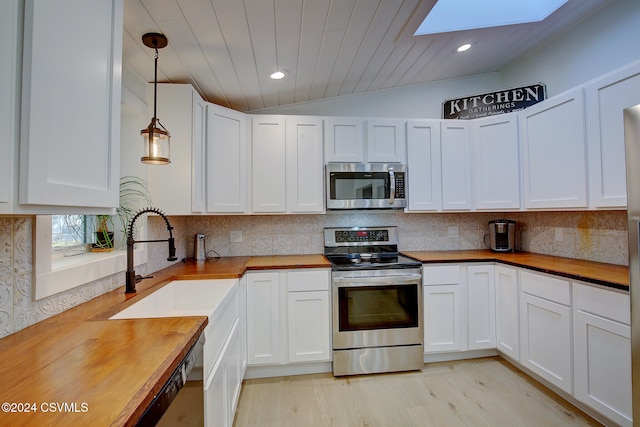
603	42
415	101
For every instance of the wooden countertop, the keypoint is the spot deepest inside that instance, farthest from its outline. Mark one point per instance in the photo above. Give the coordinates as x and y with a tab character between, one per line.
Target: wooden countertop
107	371
614	276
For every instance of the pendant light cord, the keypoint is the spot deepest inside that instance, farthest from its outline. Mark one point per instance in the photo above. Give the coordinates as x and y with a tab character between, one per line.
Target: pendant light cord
155	80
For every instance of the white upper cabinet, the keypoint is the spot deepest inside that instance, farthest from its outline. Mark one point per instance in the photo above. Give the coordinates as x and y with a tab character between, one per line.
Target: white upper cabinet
356	140
344	139
606	98
180	110
227	151
496	158
268	157
287	166
423	165
554	152
9	49
198	155
456	165
305	171
386	141
71	90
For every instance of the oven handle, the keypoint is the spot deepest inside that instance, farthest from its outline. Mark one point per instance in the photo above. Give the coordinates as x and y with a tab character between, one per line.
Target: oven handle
392	280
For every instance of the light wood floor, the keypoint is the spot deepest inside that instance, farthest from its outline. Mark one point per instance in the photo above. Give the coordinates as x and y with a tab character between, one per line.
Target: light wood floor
479	392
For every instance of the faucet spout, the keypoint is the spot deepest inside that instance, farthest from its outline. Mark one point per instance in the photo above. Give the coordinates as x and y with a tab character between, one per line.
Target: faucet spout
130	277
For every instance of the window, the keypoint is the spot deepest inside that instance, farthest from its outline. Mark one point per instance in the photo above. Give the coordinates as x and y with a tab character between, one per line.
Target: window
68	231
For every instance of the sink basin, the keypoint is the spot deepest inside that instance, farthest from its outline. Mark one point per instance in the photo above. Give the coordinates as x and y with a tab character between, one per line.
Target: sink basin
181	298
218	299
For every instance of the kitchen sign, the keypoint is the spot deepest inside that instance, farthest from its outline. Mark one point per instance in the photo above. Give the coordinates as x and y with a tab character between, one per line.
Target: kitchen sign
489	104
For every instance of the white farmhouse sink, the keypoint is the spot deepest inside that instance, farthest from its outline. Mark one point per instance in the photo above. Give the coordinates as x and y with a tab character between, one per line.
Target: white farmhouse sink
181	298
218	299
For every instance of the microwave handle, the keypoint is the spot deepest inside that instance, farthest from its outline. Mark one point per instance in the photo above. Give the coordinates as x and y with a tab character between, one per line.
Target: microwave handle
392	186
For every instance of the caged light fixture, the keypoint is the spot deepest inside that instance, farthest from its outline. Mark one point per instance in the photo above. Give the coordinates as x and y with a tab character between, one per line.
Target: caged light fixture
155	136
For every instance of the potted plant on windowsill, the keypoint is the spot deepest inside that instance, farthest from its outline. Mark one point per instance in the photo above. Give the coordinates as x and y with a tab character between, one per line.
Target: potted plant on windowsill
134	195
104	237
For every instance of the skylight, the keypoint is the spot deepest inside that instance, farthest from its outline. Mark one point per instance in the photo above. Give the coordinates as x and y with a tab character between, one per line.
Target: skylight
459	15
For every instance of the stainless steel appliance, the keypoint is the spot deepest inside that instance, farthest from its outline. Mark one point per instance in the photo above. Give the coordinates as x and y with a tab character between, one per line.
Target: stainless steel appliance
199	247
502	235
376	300
632	139
365	186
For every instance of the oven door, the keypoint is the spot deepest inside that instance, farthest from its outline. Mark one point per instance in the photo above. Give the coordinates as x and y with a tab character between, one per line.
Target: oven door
377	310
365	186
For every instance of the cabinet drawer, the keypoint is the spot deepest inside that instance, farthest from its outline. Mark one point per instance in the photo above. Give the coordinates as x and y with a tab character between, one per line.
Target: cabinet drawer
308	280
601	302
547	287
441	274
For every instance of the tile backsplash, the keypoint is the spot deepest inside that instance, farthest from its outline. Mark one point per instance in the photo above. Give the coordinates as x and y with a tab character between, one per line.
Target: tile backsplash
594	236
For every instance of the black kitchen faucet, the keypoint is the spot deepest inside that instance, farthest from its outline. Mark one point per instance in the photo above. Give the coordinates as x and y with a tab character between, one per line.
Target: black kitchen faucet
131	278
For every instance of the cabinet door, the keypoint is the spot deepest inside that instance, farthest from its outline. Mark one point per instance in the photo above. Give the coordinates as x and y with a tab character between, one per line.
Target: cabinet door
215	397
546	340
507	311
268	158
423	165
305	165
481	307
198	155
444	318
602	351
606	98
171	186
227	160
456	164
603	366
309	326
496	162
554	152
264	325
70	136
234	374
386	141
344	140
9	31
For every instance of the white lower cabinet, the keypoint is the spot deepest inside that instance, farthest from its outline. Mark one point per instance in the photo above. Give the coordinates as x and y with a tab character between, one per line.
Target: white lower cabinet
222	387
288	317
545	328
443	308
507	311
264	318
224	359
481	307
602	351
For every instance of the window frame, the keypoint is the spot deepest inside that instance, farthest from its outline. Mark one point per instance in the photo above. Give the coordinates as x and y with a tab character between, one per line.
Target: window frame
52	274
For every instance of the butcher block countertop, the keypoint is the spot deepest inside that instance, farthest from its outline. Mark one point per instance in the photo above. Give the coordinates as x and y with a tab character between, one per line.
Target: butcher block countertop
611	275
79	368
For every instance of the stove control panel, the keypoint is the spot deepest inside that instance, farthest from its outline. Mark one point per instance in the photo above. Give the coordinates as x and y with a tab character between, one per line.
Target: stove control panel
360	236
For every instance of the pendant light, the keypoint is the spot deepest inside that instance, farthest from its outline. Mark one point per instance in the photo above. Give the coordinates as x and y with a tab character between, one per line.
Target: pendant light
155	136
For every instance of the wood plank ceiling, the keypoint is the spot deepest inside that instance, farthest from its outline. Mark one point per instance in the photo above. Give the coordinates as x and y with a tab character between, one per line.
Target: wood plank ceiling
227	48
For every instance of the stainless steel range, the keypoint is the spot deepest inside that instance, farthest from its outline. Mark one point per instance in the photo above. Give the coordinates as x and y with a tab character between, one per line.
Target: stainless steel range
377	302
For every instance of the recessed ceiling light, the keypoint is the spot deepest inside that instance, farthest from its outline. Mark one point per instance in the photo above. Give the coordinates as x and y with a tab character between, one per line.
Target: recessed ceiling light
464	47
277	75
460	15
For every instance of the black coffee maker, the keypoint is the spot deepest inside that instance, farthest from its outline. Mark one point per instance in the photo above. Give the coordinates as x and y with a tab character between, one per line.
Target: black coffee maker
502	235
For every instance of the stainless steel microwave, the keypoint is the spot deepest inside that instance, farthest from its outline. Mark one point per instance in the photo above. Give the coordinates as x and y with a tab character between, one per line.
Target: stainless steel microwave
366	186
